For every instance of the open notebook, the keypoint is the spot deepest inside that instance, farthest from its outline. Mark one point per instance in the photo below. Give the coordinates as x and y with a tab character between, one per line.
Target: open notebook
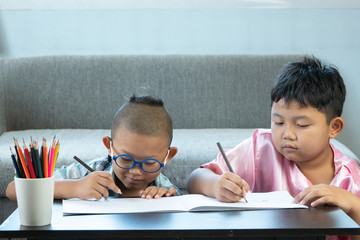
185	203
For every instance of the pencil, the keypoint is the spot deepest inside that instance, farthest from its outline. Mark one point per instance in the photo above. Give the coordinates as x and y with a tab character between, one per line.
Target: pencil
51	157
15	164
21	156
42	158
45	159
33	158
56	154
28	160
84	164
91	170
228	163
22	173
38	161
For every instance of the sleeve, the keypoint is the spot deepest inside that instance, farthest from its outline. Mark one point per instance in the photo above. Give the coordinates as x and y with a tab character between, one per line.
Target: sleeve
241	158
73	171
77	171
347	172
350	177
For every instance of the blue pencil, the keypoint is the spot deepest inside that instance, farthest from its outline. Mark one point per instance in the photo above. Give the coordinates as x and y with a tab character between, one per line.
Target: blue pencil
21	170
15	164
33	159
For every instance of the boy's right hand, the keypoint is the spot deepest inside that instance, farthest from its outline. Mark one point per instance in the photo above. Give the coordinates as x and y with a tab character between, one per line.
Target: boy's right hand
230	188
96	185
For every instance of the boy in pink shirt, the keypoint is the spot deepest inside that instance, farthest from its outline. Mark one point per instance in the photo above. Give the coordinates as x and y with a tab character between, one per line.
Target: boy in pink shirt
295	155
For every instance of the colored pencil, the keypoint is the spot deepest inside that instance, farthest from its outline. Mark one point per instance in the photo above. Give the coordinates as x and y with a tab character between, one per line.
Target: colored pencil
228	163
29	163
33	158
21	156
51	157
28	160
39	164
15	164
42	158
22	173
45	159
56	154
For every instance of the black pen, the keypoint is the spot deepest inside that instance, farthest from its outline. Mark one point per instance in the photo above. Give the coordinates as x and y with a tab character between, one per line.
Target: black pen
228	163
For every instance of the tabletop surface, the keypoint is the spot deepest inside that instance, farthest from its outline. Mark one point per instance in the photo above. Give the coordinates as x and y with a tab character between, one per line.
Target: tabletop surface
284	222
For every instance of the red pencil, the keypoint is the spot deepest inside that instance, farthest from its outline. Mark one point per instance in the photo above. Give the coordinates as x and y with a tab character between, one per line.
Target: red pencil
28	160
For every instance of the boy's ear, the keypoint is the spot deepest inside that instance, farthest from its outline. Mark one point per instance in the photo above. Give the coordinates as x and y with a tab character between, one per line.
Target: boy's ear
336	126
106	141
172	153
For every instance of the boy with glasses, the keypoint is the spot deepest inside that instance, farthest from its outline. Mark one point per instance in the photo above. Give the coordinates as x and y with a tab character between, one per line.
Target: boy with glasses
139	147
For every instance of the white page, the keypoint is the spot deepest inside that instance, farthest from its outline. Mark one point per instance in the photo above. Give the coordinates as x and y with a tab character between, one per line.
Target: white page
190	202
270	200
122	205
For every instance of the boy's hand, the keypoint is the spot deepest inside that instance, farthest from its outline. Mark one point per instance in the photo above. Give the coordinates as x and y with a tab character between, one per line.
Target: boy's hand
157	192
230	188
321	194
96	185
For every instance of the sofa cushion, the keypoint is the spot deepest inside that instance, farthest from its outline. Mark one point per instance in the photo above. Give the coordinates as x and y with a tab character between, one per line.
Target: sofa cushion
200	91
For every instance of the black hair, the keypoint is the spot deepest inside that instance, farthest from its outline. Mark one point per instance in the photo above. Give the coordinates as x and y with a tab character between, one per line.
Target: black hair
146	99
310	83
144	115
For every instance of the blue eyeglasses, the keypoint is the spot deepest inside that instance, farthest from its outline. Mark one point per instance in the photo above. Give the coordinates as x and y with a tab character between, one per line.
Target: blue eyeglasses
148	165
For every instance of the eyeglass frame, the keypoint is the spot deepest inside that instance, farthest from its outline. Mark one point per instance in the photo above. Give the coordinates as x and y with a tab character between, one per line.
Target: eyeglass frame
137	162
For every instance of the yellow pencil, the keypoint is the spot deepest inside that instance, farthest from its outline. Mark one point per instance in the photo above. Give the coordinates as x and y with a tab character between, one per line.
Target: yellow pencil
55	155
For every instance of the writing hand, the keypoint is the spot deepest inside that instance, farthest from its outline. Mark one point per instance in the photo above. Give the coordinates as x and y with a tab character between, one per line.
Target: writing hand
157	192
96	185
230	188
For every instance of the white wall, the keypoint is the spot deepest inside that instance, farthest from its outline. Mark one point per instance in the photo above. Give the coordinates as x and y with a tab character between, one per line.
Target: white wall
331	34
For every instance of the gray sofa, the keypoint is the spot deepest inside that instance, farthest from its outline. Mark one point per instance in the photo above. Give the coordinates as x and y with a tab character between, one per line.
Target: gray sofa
211	98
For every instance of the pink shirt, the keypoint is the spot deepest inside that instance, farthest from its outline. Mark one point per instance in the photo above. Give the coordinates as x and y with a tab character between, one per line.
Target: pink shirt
258	162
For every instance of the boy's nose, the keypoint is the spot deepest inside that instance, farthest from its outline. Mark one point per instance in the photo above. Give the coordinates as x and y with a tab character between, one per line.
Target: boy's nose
135	170
289	133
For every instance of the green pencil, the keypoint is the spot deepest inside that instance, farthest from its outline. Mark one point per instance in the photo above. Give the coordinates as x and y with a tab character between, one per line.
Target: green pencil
36	150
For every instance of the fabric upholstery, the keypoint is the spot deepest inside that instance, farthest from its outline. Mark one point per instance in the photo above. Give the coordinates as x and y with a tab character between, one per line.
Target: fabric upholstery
85	91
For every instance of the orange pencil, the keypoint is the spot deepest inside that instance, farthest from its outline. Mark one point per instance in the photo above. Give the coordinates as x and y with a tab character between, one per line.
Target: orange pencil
22	160
55	155
28	160
45	157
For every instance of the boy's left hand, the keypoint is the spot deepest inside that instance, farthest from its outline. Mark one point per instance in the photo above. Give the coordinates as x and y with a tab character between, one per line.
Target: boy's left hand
322	194
157	192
